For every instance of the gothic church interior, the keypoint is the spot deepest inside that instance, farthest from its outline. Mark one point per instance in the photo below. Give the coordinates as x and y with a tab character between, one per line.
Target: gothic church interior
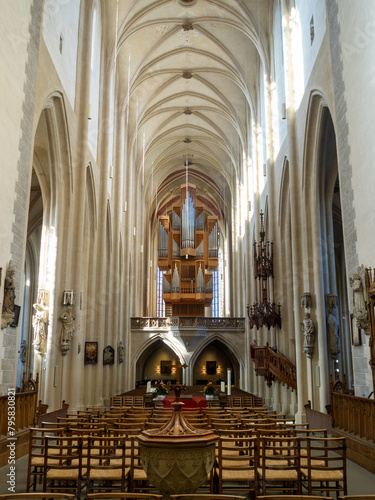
258	113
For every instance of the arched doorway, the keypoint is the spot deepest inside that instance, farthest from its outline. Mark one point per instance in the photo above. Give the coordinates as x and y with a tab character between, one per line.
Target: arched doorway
157	362
212	362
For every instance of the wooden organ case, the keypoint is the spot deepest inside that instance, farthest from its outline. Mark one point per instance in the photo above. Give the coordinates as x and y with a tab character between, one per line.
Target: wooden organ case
188	252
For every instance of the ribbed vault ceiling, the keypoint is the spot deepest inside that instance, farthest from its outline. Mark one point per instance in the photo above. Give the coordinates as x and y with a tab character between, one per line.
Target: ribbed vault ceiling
187	73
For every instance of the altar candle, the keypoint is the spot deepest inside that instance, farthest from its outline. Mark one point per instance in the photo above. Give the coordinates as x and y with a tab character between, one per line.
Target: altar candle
148	389
229	380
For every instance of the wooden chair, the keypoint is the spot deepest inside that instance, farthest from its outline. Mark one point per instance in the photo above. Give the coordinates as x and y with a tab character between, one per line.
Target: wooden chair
197	496
126	427
235	401
357	497
63	471
303	435
237	464
106	464
279	464
96	408
35	468
326	465
150	496
36	496
116	401
139	401
291	497
137	478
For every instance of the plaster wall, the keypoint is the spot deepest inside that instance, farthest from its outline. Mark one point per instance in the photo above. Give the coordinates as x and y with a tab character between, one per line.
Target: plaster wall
222	363
14	37
60	20
357	36
301	17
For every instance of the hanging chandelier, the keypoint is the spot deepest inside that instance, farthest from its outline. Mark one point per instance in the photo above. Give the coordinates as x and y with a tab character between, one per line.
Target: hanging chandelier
264	312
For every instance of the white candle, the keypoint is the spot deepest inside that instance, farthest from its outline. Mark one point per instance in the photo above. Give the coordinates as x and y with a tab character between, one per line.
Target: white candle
229	380
148	389
222	386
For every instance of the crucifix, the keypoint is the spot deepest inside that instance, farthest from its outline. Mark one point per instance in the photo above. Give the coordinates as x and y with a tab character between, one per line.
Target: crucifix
178	387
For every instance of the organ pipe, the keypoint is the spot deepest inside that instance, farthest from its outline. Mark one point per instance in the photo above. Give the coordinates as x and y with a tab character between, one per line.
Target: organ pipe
209	286
199	222
200	280
212	242
163	241
175	280
188	255
176	221
166	285
176	249
200	249
188	223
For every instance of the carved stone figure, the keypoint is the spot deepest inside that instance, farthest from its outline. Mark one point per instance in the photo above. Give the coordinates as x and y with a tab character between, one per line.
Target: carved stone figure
9	297
359	311
40	320
308	331
306	300
68	326
23	351
120	352
333	332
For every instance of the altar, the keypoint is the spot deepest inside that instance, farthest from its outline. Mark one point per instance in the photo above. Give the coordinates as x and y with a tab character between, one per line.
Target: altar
190	403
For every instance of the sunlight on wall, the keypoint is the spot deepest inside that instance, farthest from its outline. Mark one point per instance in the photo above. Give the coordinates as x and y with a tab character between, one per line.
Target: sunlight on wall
275	107
50	239
94	83
111	127
297	61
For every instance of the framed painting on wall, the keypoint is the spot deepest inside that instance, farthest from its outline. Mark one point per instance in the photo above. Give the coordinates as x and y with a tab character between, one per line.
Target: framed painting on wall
108	355
165	367
91	353
211	367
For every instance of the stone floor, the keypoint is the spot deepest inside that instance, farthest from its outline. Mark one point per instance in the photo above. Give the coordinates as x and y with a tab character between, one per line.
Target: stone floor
360	481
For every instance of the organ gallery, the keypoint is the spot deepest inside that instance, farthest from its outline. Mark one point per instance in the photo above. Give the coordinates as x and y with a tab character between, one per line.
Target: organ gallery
188	253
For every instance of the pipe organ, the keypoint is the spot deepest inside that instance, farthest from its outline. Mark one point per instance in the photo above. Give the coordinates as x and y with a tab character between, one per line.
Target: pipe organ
188	252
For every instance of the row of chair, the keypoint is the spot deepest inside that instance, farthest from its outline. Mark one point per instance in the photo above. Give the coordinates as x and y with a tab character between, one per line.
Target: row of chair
275	458
154	496
234	401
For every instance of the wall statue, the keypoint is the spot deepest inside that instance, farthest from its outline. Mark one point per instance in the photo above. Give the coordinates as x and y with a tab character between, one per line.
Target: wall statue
40	323
333	332
308	331
7	315
120	352
68	325
23	351
360	311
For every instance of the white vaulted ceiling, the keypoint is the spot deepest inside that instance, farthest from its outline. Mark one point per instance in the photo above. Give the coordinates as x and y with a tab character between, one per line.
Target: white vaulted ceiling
187	74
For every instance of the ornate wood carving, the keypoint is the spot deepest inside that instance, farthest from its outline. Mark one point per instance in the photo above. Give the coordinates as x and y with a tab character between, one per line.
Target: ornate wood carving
272	366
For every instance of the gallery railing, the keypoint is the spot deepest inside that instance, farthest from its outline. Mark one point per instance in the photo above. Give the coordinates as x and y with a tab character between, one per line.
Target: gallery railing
187	322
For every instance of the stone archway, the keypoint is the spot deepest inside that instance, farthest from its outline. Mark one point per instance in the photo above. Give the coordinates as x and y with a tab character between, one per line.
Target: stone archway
157	362
210	364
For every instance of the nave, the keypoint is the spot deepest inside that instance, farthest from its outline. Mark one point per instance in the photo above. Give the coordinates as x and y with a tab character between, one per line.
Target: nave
239	430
